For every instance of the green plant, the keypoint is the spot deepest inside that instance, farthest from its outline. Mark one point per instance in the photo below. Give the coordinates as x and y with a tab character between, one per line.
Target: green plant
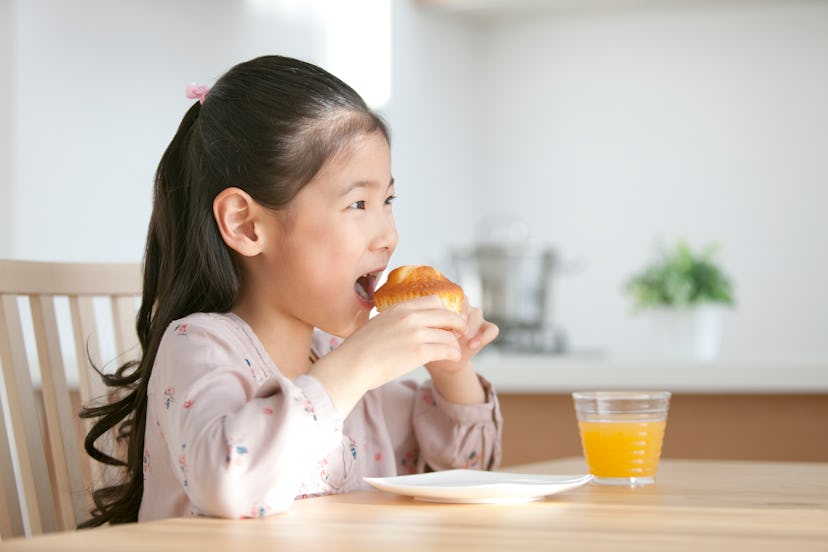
681	278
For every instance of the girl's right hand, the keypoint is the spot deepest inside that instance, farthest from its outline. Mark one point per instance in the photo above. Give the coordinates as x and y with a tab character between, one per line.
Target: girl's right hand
391	344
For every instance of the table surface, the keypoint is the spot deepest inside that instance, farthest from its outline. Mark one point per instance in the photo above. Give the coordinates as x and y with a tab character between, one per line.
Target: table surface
694	505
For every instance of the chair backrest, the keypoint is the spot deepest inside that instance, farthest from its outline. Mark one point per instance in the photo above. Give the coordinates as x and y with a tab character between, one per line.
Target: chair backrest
46	375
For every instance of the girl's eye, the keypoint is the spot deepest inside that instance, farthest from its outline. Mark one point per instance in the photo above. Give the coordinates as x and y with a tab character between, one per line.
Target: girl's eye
358	204
390	200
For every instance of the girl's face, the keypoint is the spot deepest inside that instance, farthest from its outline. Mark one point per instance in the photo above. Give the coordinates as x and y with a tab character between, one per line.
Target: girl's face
336	240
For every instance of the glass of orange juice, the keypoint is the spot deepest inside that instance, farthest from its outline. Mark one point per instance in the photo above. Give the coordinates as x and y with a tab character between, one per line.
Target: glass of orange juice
622	433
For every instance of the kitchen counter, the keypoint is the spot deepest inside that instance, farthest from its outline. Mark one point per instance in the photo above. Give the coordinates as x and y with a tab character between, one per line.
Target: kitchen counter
538	373
762	409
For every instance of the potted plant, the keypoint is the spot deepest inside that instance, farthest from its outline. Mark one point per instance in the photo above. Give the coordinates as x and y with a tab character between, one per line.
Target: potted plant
685	291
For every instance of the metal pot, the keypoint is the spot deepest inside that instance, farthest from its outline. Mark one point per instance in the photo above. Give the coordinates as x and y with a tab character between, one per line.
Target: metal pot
511	282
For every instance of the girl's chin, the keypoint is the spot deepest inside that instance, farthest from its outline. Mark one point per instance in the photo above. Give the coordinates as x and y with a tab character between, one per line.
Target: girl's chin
345	330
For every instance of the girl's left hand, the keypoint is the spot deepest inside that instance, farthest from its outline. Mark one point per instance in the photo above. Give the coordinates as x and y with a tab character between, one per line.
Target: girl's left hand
479	333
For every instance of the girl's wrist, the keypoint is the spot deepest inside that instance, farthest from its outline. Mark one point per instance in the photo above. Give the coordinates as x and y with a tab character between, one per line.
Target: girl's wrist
461	386
345	386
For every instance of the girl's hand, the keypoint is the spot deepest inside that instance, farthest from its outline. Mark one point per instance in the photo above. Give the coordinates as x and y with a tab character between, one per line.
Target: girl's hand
456	379
478	334
389	345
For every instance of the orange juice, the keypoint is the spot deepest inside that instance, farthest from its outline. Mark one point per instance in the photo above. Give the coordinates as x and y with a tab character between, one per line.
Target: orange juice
623	449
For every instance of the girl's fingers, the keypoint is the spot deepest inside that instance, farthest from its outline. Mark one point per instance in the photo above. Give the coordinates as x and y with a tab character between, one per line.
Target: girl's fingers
439	333
474	322
430	312
441	351
488	332
492	331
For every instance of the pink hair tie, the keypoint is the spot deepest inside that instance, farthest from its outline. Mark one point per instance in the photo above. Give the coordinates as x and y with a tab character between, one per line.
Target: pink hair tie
197	92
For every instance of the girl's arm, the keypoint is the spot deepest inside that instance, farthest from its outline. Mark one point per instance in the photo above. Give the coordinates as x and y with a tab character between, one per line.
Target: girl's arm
241	439
445	435
391	344
456	380
452	435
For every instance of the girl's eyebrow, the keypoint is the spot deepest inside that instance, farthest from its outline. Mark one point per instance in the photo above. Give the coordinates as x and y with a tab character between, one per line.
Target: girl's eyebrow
364	184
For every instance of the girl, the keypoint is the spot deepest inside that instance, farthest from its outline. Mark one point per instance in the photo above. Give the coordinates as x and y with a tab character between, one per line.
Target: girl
271	225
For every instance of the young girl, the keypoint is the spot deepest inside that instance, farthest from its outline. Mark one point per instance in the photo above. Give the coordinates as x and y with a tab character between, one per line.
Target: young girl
262	378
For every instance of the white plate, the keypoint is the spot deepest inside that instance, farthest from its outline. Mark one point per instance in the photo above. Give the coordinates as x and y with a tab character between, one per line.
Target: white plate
473	486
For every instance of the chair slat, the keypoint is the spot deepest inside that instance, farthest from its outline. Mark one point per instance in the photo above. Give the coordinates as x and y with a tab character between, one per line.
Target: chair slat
59	414
123	320
87	346
87	351
11	520
24	420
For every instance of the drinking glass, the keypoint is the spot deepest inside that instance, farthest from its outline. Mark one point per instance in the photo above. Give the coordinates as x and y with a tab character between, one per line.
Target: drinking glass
621	434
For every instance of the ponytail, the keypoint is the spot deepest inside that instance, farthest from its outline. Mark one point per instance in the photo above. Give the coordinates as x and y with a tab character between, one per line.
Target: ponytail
167	295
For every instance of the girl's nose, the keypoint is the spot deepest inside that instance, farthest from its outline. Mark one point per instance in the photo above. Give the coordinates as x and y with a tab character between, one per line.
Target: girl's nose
386	236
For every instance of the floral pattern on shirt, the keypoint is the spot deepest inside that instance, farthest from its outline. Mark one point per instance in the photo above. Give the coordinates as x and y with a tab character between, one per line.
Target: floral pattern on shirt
182	464
147	467
237	453
169	396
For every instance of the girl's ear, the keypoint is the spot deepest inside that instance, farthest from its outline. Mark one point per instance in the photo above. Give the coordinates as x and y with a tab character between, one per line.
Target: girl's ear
237	216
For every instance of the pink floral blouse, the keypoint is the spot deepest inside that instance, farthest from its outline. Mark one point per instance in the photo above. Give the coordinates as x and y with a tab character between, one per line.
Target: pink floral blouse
228	435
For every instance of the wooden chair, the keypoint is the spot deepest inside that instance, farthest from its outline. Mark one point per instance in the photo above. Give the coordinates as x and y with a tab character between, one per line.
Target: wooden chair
46	475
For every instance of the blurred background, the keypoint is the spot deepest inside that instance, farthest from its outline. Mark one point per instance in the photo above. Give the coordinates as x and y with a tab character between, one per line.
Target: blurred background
605	128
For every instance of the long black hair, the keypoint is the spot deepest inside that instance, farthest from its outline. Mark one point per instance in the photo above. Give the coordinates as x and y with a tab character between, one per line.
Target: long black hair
267	126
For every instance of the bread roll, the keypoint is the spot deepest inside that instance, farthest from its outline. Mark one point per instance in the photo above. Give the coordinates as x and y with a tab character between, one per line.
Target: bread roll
412	281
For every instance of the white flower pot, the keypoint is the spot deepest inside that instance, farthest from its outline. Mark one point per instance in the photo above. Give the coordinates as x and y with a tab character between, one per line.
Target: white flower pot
688	334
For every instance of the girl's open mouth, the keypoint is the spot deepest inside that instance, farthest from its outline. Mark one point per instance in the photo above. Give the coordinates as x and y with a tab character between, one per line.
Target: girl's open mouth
365	285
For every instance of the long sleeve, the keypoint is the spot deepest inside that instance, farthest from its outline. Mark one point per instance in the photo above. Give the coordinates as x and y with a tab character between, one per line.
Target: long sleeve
456	436
242	437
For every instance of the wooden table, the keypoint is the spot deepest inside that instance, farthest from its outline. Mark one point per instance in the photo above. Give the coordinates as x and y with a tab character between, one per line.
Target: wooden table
695	505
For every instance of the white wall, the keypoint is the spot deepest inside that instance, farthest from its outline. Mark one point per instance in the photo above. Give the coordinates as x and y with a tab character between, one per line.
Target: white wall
611	129
433	115
7	60
99	90
604	129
